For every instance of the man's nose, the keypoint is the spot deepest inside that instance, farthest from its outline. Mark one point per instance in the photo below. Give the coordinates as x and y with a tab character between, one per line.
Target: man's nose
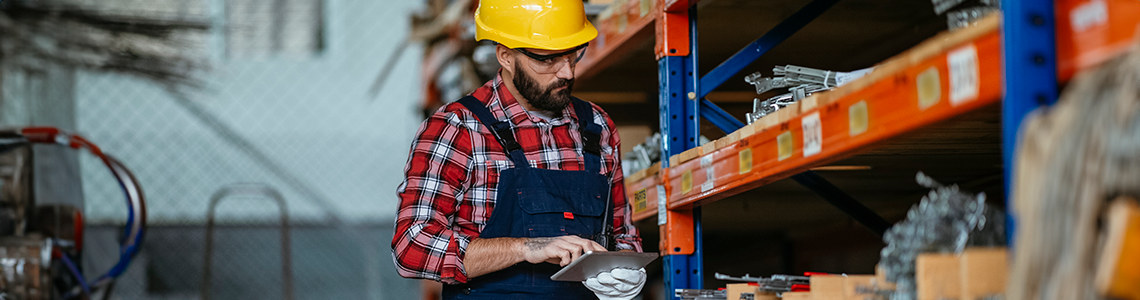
565	69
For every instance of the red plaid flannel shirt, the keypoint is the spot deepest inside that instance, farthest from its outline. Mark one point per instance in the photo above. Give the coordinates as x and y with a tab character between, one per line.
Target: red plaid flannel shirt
449	185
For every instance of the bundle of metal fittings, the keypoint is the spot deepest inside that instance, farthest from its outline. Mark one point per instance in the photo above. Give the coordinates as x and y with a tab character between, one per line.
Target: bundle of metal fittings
643	155
947	220
963	13
801	82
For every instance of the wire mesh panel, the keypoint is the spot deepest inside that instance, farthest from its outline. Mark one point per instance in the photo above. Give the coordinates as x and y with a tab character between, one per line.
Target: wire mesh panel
279	95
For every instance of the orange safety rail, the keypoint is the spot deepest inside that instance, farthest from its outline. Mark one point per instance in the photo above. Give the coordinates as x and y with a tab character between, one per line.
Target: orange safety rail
626	26
946	76
672	33
1092	32
678	5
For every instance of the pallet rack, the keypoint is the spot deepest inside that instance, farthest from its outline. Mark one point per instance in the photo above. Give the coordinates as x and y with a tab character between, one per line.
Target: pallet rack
949	75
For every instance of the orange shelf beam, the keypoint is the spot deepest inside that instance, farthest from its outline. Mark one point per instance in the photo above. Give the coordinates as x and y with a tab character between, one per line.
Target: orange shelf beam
949	75
623	31
1092	32
643	196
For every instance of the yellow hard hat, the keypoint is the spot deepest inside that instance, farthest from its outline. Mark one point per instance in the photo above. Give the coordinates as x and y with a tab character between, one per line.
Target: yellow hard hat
540	24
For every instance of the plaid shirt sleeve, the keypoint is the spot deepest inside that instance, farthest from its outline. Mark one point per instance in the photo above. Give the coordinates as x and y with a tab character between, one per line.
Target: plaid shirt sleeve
625	234
425	245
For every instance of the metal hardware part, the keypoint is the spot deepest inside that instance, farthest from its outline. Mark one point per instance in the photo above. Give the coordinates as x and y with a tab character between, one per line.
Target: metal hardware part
968	16
694	294
801	82
774	284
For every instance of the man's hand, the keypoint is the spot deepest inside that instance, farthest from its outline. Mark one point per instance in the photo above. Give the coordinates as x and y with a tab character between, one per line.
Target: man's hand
489	255
557	250
617	284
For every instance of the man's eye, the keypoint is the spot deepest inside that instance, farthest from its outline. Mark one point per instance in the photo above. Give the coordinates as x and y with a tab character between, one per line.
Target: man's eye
547	61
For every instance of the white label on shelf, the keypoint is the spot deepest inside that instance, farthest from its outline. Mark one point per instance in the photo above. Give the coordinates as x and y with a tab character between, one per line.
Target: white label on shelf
813	134
963	64
710	174
662	205
1088	15
710	177
706	161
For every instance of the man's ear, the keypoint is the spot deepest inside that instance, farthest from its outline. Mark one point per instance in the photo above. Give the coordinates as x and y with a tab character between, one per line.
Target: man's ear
505	57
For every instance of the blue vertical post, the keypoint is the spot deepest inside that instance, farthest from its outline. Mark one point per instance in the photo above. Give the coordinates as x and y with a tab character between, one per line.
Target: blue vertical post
1029	58
680	127
678	136
696	263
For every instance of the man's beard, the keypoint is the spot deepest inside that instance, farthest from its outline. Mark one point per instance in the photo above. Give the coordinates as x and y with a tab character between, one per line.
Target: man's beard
542	98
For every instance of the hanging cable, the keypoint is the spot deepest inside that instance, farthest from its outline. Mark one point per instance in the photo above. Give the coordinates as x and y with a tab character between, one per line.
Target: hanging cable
74	270
135	227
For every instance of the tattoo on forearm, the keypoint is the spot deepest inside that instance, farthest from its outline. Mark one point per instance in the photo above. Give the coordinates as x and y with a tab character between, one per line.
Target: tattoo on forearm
535	244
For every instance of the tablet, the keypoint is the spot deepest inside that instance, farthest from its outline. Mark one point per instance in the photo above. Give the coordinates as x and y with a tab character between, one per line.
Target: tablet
593	263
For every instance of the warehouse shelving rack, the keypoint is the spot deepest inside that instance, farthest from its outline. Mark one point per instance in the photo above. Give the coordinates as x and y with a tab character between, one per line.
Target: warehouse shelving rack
1015	59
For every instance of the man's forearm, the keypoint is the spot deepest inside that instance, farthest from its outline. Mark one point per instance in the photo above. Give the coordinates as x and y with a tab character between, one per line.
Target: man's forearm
489	255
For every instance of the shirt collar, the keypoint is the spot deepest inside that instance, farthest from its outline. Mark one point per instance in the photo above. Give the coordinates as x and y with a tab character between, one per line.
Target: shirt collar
519	115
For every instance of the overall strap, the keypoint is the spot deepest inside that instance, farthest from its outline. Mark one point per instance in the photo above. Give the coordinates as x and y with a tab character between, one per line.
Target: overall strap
501	130
591	135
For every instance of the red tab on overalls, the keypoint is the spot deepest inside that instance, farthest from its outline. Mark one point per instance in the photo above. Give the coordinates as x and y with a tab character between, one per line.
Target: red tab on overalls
568	215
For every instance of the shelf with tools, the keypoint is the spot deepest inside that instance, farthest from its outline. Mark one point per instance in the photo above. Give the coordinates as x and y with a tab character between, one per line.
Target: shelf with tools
916	89
947	95
910	91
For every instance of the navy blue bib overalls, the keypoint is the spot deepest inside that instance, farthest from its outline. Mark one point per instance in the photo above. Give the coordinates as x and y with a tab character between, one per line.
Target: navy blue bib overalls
534	202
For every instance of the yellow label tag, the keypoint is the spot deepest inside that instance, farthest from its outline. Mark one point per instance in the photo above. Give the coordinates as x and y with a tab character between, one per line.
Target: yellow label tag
745	160
929	88
784	145
686	181
640	201
858	118
623	20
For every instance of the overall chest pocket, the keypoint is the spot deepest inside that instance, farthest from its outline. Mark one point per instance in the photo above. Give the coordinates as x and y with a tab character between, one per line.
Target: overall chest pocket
557	212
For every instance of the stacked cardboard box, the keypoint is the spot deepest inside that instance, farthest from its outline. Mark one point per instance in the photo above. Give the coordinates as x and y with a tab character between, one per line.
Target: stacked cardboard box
974	274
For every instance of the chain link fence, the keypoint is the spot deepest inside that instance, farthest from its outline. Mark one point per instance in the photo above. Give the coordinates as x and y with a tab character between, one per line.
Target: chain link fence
283	103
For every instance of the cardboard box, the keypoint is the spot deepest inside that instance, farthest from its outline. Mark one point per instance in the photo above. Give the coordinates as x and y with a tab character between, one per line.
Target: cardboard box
788	112
853	283
746	131
827	287
983	272
937	277
1119	267
688	155
796	296
735	289
881	279
809	103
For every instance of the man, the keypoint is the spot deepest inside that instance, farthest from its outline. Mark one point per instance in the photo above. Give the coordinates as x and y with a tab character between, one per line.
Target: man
511	183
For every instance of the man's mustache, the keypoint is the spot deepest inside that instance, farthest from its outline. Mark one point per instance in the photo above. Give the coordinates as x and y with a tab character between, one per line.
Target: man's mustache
561	83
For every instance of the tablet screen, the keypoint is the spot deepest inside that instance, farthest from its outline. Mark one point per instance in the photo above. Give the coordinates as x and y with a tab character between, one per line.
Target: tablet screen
594	263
